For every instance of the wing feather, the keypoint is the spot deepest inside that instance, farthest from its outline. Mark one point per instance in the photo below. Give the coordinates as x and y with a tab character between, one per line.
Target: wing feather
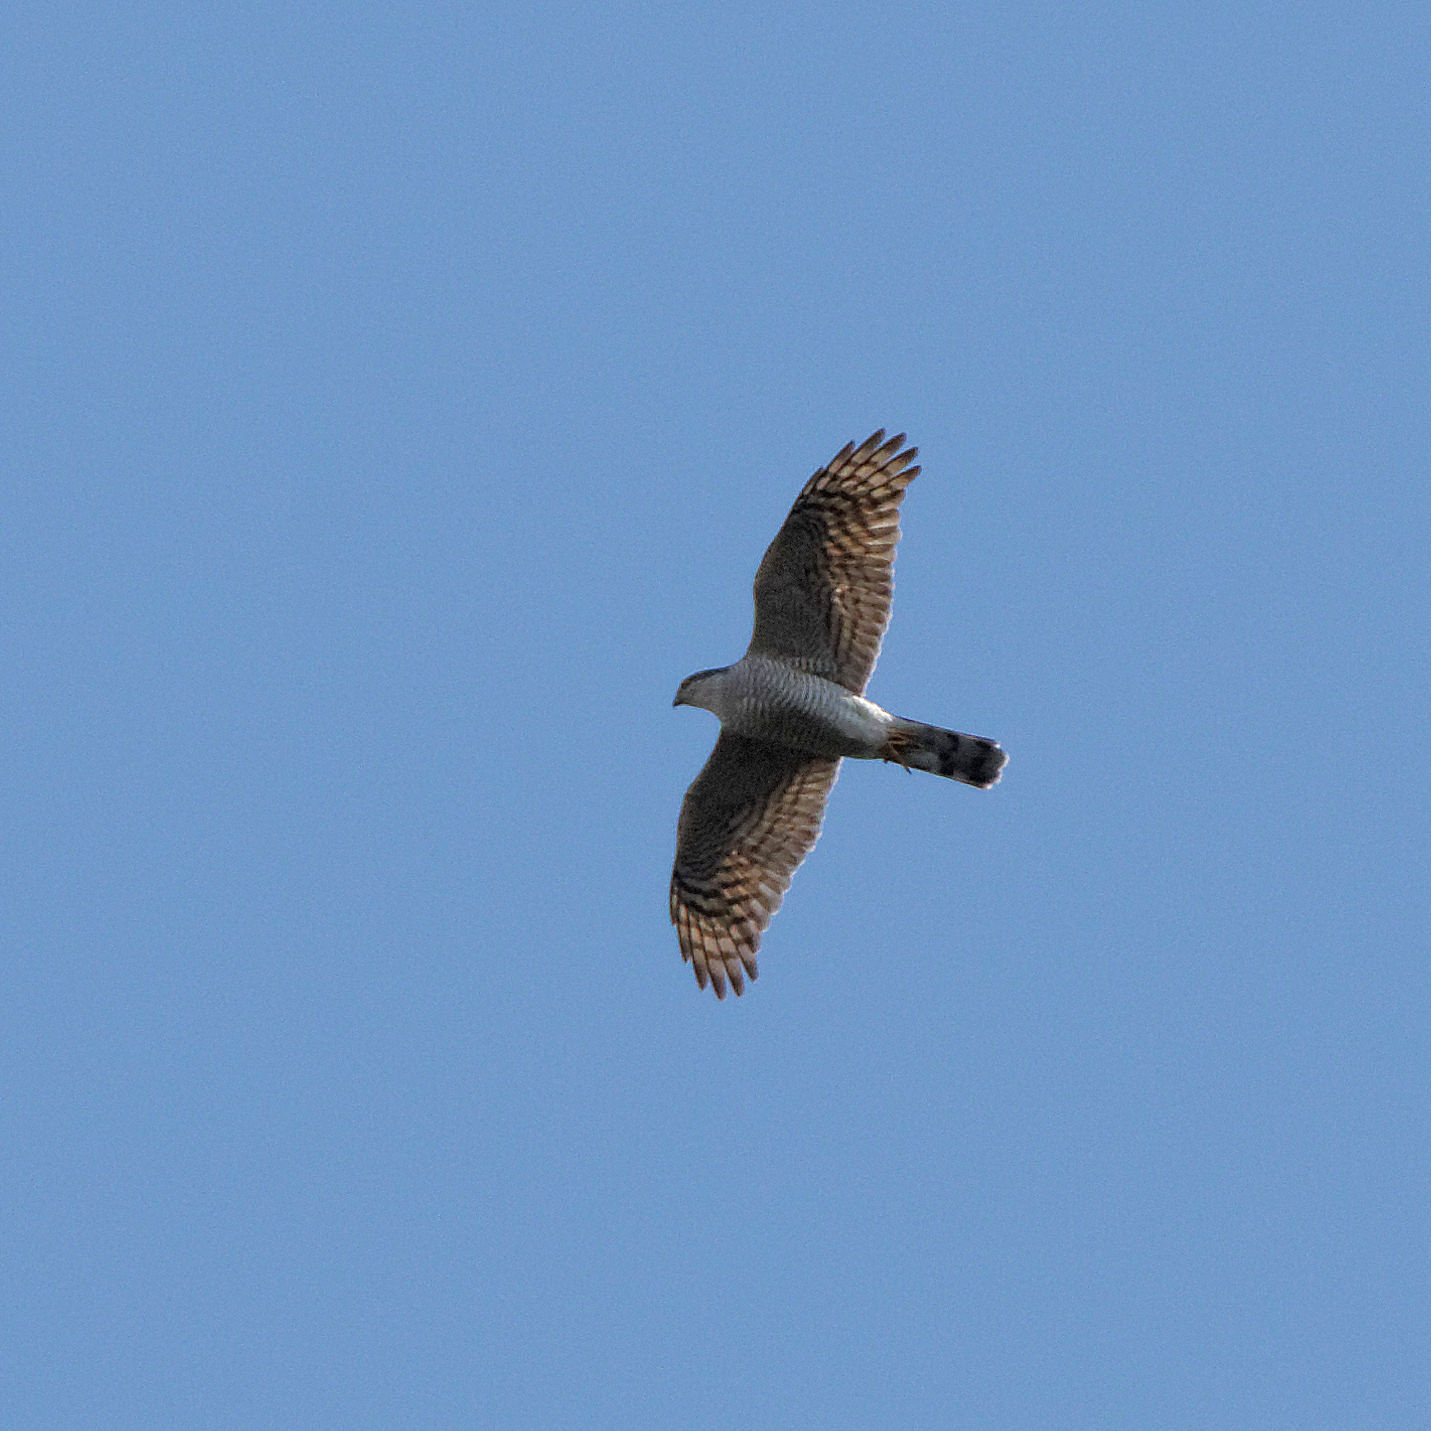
746	823
824	588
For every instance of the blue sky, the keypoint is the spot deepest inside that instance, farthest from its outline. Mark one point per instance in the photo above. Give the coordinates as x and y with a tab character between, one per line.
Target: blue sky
398	402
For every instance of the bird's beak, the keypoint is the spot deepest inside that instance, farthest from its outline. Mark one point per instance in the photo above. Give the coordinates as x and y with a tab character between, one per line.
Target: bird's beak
678	701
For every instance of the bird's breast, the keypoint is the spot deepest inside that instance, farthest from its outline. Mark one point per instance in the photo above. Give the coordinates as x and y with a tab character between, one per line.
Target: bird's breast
776	702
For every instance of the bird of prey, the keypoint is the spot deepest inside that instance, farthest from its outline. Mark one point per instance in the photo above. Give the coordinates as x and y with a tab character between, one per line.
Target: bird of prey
793	706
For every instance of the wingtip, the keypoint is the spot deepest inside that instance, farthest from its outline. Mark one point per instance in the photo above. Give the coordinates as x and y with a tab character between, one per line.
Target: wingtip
886	452
723	977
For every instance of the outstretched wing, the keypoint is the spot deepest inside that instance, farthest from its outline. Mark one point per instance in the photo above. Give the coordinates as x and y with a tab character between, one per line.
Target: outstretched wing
748	820
823	591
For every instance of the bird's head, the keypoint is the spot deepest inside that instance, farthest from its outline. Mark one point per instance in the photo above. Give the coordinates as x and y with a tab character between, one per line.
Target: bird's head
694	690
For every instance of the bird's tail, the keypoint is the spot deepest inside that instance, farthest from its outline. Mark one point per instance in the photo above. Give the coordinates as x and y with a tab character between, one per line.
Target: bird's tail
969	758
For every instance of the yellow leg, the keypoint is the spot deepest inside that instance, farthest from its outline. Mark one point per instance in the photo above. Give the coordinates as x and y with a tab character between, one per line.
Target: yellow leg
896	748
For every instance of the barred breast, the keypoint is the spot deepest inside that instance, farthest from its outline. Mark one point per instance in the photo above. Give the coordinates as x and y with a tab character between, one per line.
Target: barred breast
776	702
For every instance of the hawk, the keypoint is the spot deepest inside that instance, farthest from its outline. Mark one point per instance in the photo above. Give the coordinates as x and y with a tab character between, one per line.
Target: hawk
793	707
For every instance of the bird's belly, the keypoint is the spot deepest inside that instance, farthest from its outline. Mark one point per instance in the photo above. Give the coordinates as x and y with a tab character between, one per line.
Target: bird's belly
806	712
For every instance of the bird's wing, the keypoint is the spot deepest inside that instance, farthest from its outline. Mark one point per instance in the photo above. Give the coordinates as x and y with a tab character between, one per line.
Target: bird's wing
747	821
823	591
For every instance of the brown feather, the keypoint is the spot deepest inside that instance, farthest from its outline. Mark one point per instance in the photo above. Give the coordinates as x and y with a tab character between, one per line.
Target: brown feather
824	589
748	820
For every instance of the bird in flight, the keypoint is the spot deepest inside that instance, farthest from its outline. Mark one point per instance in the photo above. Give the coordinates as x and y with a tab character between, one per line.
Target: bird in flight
793	707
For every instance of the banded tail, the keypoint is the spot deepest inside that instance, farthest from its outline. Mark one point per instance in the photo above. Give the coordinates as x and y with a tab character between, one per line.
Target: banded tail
969	758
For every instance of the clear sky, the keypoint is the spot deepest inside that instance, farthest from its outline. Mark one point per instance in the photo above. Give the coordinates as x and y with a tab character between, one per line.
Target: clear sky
397	402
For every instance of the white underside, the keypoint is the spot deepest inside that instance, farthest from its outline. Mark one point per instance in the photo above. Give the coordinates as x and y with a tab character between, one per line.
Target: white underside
759	696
